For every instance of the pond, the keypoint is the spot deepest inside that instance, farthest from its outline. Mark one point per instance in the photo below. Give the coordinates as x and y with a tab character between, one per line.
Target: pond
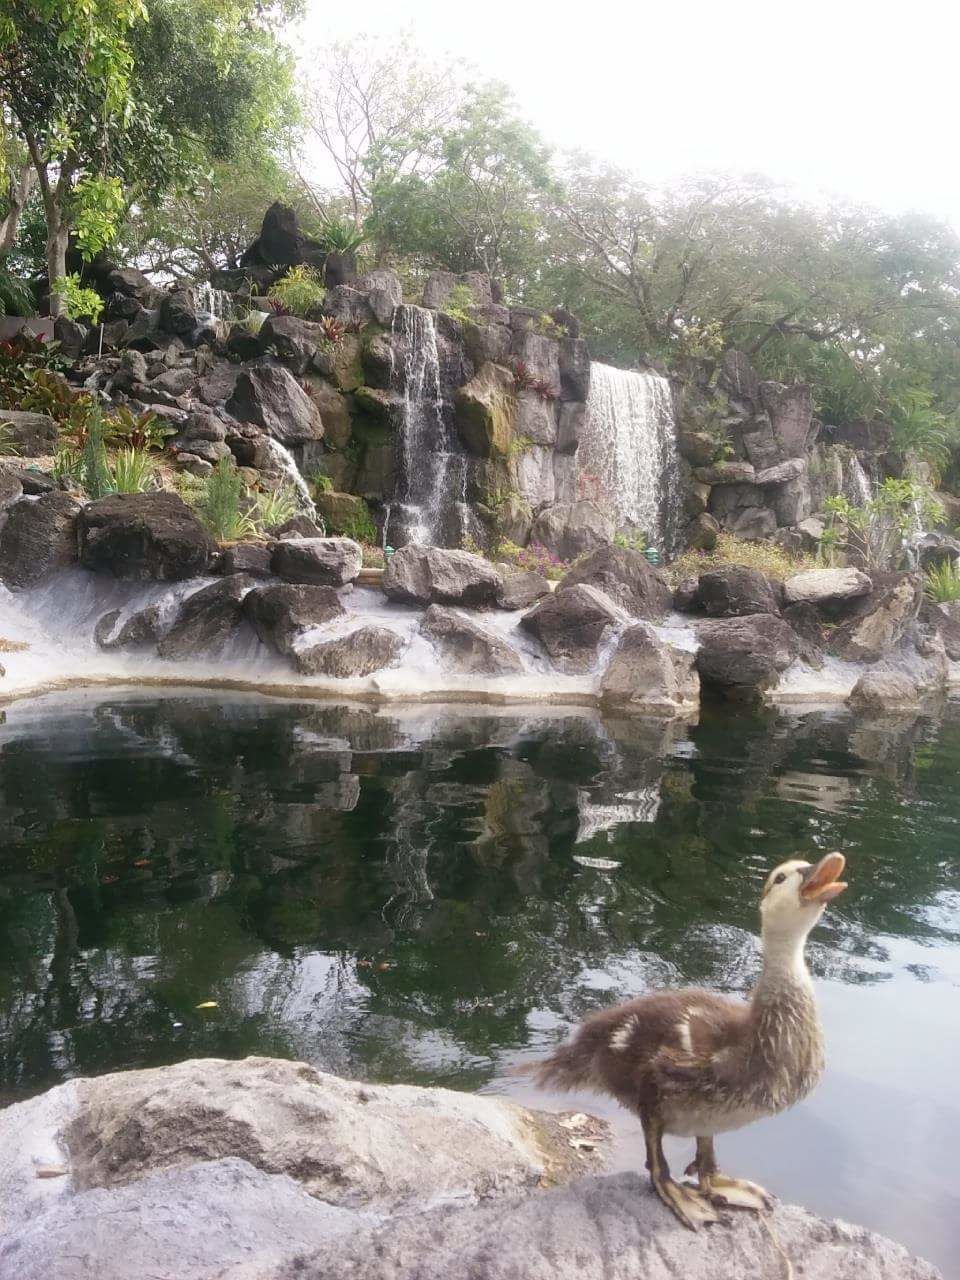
436	894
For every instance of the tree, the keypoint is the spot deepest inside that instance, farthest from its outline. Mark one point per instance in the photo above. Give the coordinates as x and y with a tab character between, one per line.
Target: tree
476	203
116	105
373	110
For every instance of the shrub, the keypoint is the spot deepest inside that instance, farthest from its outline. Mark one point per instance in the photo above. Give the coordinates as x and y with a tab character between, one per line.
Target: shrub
220	506
68	464
276	506
941	582
133	471
458	303
342	236
322	483
139	431
16	298
765	556
877	532
80	303
536	558
360	527
95	473
299	290
20	357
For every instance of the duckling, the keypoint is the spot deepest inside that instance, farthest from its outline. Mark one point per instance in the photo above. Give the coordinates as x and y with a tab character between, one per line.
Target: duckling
695	1064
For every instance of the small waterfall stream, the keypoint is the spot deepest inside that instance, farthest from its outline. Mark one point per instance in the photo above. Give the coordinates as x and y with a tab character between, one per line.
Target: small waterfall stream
283	461
856	483
431	474
215	302
628	458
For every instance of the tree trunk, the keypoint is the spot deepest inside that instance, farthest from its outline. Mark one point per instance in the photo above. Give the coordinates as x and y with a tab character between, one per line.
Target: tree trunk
19	191
58	235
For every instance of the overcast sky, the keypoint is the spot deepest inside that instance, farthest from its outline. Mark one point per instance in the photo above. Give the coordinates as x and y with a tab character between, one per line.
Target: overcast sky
859	99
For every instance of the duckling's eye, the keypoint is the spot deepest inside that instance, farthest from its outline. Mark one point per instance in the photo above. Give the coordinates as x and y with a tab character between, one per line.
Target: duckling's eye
780	878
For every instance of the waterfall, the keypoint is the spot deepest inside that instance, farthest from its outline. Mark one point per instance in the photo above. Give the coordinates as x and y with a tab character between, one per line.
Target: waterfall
283	460
628	460
431	475
856	482
215	302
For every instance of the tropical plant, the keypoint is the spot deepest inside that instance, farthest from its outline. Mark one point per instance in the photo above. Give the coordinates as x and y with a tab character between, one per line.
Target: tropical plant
8	445
276	506
543	389
133	471
300	290
95	475
523	376
139	431
340	235
877	533
20	358
221	505
536	558
16	298
68	464
941	582
333	330
78	302
920	430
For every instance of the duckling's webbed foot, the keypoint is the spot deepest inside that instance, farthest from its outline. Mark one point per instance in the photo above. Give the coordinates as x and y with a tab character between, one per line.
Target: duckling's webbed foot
692	1207
720	1189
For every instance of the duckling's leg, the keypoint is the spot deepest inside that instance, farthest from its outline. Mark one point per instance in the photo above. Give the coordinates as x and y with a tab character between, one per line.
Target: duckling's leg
738	1193
691	1207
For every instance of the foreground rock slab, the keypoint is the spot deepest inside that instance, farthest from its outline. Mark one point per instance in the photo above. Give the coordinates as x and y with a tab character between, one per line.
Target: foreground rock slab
650	678
430	575
143	537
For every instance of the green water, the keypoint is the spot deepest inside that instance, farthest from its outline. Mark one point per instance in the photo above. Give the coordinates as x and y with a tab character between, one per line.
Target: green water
397	895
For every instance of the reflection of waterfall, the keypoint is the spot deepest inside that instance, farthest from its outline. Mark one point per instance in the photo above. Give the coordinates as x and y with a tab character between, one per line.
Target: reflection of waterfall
215	302
282	459
628	455
430	475
856	482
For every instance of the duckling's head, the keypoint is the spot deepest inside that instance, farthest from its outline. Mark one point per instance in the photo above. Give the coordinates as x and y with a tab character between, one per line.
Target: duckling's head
796	893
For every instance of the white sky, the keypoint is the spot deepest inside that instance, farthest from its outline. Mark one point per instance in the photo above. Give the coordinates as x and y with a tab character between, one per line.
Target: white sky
860	100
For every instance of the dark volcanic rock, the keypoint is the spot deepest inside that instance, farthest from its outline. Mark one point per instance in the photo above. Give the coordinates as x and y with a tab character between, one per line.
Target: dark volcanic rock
571	623
464	647
206	619
33	434
521	588
321	562
11	489
246	557
144	536
271	397
627	577
360	653
140	628
432	575
37	537
743	655
281	613
734	590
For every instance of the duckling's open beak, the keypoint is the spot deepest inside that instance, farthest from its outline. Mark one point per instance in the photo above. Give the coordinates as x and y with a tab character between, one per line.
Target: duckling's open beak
820	882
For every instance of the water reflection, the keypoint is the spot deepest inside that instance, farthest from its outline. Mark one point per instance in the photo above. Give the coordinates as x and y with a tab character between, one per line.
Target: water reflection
429	895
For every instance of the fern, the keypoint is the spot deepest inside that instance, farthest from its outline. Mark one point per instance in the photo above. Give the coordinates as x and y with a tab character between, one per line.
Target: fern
942	582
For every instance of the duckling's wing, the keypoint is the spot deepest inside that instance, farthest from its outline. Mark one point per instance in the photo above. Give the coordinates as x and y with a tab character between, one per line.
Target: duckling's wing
703	1050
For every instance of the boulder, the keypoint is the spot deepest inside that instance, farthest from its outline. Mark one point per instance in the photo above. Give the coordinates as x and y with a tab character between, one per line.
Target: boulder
206	619
627	577
178	312
790	409
144	536
171	384
818	586
360	653
736	590
486	410
34	483
281	613
440	285
571	529
334	410
113	631
271	397
571	624
876	622
11	489
864	437
738	378
37	537
218	383
732	472
70	336
571	420
384	293
521	588
944	620
742	509
467	649
143	333
702	532
792	502
281	243
811	531
648	677
885	691
808	625
341	511
696	498
131	283
432	575
574	361
699	448
33	435
744	655
792	469
242	345
298	526
294	341
246	557
686	596
323	562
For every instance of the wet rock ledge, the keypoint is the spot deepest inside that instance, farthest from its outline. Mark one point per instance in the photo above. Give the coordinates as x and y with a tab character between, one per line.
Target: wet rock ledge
271	1170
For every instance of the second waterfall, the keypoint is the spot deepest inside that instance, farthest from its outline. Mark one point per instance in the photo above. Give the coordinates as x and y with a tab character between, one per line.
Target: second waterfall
628	460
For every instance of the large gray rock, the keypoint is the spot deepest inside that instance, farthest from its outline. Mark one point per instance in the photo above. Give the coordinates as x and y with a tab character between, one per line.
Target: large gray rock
944	620
790	409
360	653
571	529
733	471
114	631
34	435
817	586
246	557
486	409
648	677
11	489
206	620
431	575
572	623
877	621
281	613
521	588
271	397
295	341
466	648
743	656
627	577
37	537
734	590
325	562
144	536
885	691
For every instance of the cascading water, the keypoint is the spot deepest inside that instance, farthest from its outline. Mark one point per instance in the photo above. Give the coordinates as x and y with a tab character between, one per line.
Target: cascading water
856	482
431	474
628	460
283	461
215	302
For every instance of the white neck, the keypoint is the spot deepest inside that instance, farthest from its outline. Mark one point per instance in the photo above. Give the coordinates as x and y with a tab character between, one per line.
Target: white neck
783	960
